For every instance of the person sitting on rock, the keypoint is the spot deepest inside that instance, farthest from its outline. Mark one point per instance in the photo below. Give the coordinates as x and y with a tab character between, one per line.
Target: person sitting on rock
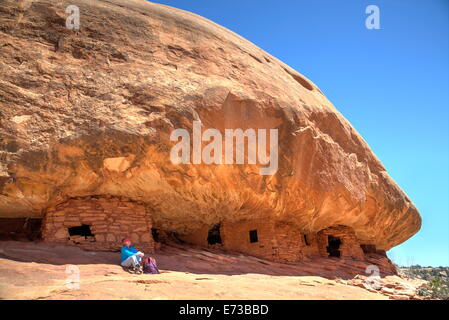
131	258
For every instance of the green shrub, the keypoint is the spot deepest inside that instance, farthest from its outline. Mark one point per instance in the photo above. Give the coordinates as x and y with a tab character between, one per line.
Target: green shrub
438	289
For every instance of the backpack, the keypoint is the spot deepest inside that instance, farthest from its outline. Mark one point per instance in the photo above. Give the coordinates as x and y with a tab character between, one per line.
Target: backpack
150	266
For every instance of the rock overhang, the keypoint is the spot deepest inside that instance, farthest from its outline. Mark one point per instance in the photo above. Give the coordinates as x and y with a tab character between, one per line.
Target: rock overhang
84	98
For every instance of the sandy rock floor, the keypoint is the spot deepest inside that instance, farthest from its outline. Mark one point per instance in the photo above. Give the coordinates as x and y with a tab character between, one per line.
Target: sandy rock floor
36	270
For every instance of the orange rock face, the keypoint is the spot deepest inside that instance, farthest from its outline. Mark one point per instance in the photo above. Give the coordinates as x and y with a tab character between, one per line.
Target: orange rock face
90	113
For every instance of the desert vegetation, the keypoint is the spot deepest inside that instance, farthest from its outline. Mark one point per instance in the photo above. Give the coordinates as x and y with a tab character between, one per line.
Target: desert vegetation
437	286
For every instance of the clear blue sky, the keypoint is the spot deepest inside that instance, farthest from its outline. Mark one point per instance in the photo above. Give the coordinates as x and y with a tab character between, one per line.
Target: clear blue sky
392	84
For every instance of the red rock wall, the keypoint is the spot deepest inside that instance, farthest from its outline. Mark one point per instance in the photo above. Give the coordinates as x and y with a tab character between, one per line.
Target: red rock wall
110	220
311	248
199	237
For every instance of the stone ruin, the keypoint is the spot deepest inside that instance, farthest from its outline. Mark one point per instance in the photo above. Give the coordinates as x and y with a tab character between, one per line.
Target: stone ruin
100	223
280	241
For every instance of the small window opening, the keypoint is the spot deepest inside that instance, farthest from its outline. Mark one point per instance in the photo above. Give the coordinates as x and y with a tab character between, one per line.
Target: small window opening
214	236
253	236
83	230
155	234
306	240
333	247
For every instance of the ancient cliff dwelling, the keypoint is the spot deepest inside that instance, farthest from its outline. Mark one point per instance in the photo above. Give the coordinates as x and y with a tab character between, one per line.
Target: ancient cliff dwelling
98	223
85	124
280	241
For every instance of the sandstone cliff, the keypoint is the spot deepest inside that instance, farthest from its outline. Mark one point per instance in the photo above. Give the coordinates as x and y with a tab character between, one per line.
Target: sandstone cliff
90	112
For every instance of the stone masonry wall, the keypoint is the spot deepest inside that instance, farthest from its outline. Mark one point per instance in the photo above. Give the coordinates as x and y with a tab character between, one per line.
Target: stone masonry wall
289	243
110	220
279	241
235	236
276	241
310	247
349	248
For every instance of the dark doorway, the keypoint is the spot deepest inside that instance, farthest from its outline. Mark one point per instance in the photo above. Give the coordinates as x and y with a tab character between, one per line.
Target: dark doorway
253	236
214	236
333	247
155	234
83	230
306	240
20	229
368	248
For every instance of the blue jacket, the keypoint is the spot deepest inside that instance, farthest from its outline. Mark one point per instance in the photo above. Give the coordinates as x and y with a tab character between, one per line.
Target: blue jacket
127	252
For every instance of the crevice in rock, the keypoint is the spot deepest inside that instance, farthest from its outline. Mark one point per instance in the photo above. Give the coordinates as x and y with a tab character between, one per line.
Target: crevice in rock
298	78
